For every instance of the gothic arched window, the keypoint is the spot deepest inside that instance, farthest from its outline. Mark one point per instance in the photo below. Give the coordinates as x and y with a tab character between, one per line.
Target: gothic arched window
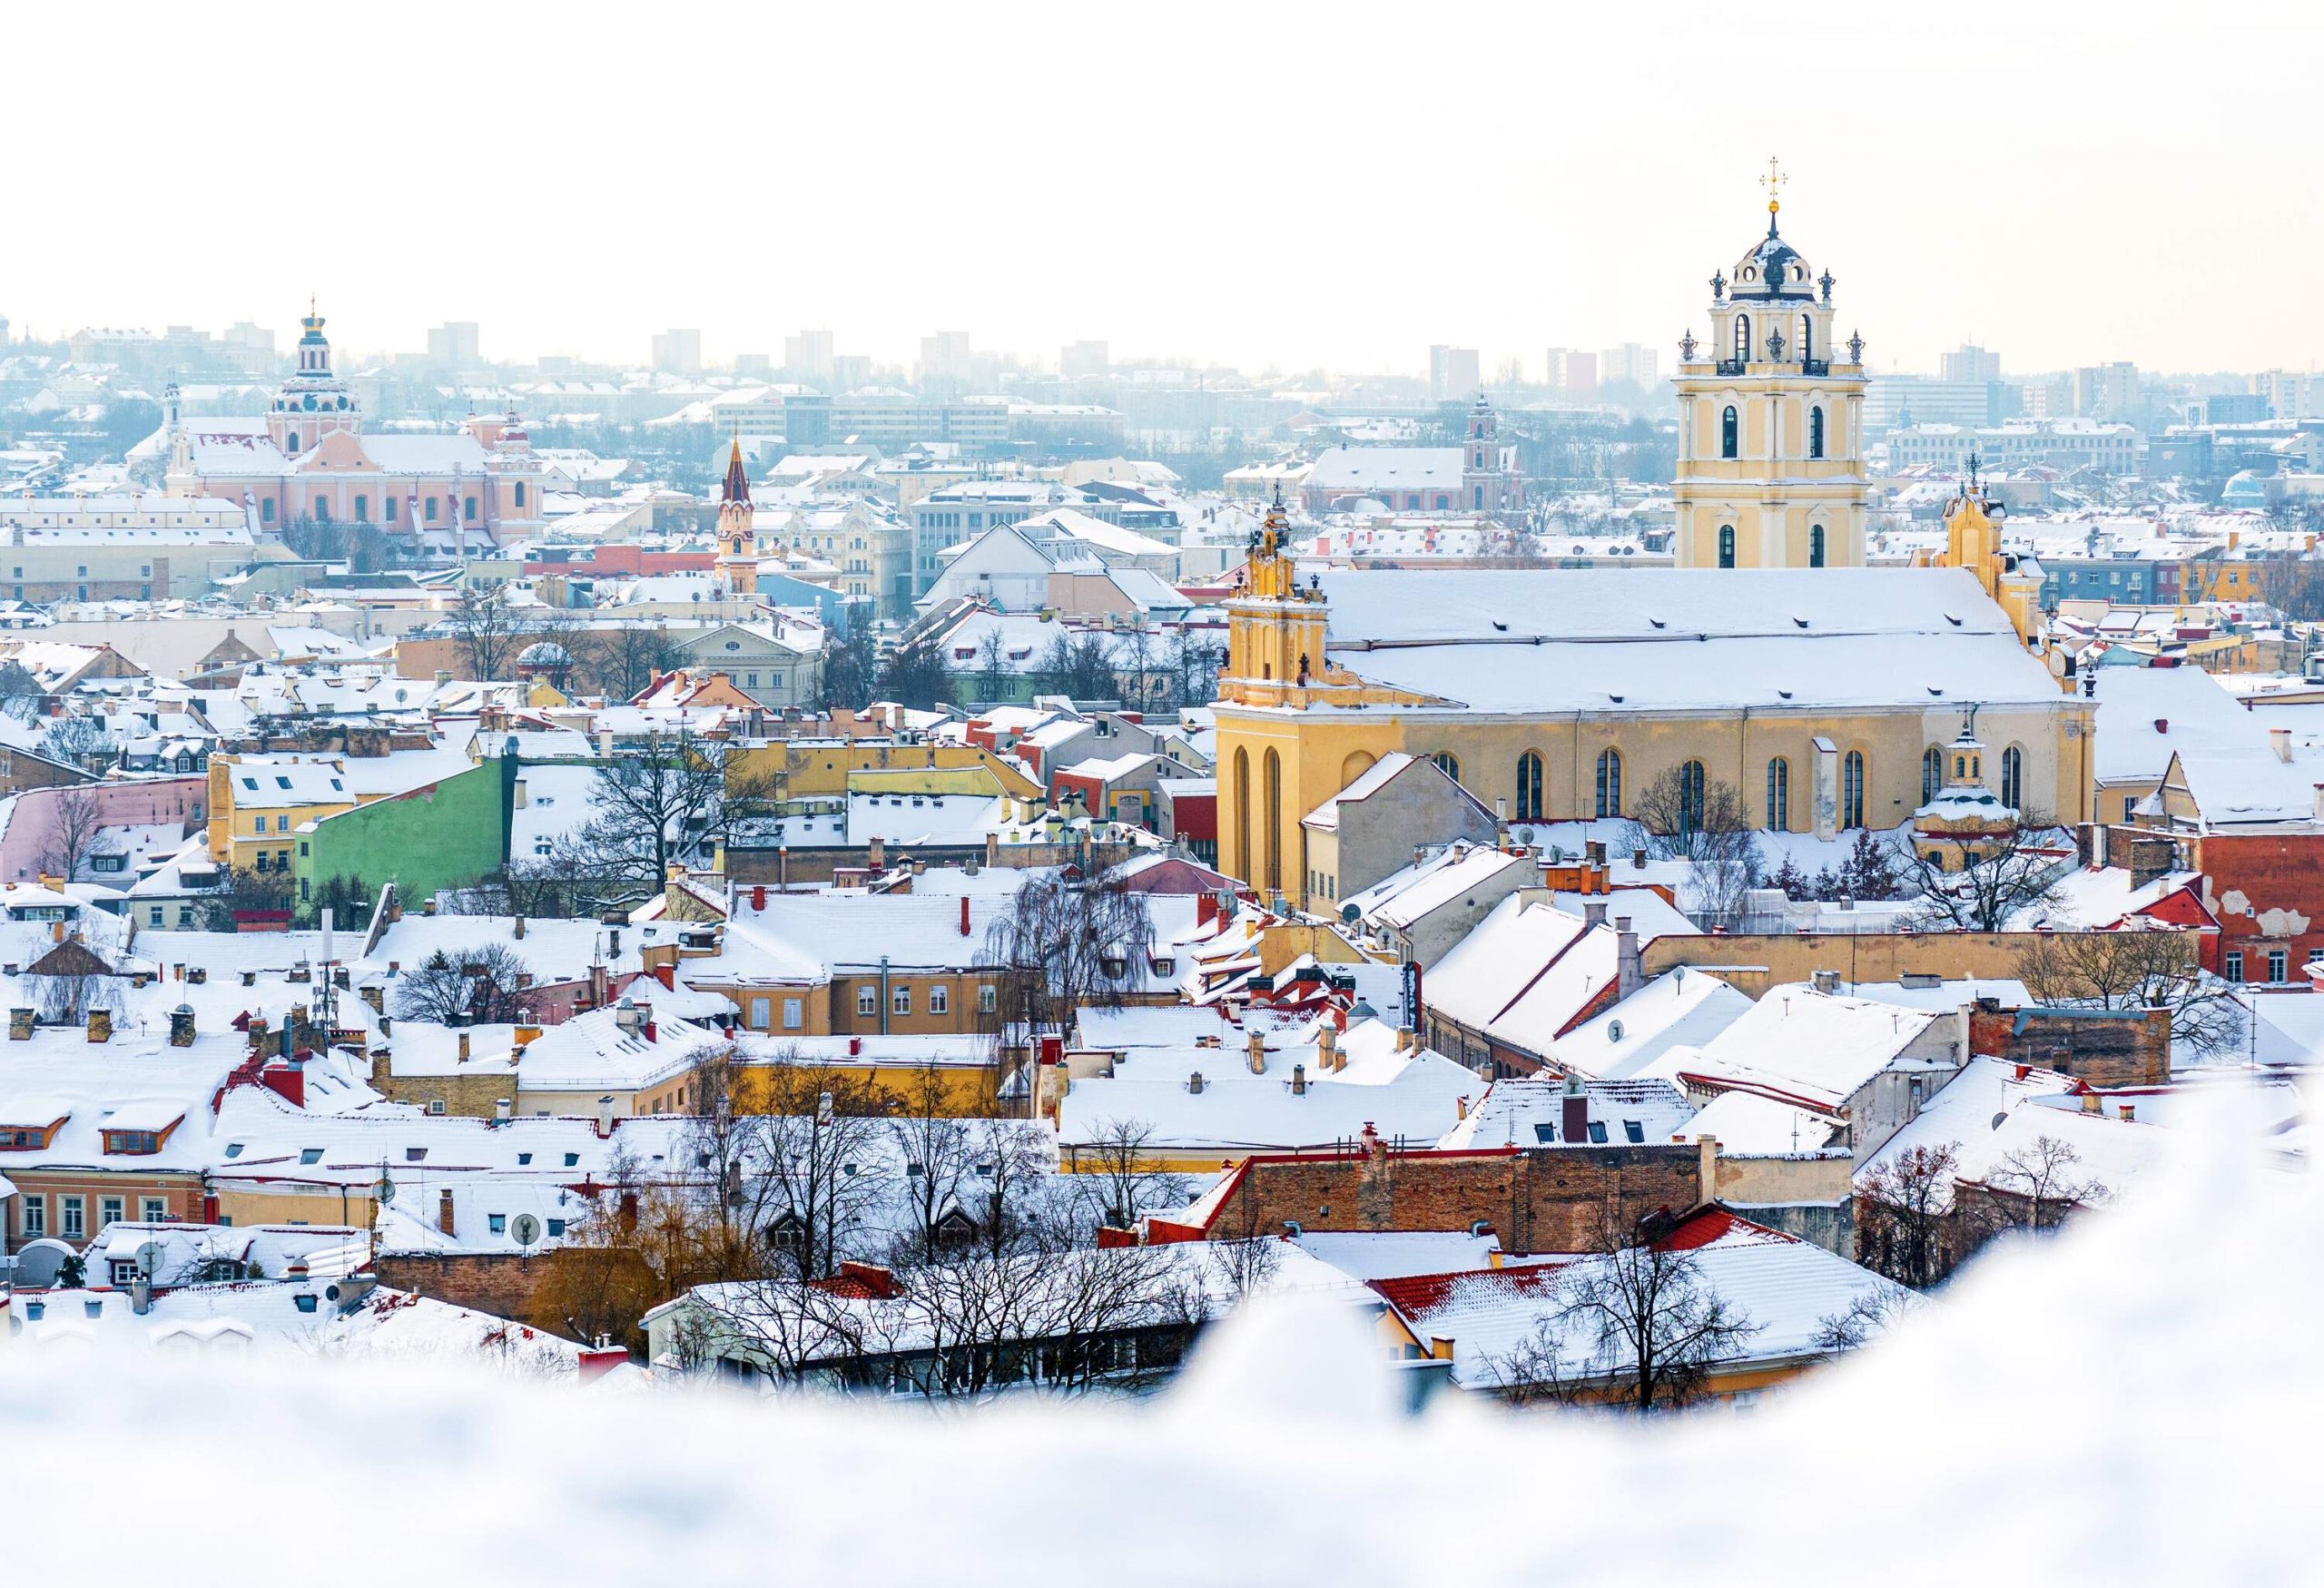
1779	794
1528	786
1690	797
1932	773
1730	434
1271	780
1243	816
2012	778
1815	432
1609	782
1815	546
1726	545
1742	339
1852	789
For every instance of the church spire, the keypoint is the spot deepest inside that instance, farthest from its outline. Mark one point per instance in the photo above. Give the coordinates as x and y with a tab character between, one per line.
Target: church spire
735	490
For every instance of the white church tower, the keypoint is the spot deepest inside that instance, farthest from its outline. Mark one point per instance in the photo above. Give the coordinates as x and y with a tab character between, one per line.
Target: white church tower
1771	421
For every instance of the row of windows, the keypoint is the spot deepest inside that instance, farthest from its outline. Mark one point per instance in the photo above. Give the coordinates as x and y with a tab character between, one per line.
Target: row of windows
1726	545
1804	349
2013	775
2279	964
1693	781
429	508
1730	433
73	1214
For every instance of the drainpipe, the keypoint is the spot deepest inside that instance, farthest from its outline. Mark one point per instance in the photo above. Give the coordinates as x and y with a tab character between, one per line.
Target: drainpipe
883	995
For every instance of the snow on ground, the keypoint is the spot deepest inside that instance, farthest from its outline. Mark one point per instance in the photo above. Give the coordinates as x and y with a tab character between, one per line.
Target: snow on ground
2120	1407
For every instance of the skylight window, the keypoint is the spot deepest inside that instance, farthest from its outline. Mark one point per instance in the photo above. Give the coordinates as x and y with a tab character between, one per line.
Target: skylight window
310	1155
282	782
415	1155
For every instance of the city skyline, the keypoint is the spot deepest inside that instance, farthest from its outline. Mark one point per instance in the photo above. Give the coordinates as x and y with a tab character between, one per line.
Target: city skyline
1488	233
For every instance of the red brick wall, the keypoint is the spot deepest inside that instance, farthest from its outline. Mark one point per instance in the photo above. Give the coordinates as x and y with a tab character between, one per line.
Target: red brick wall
1536	1200
2281	879
2130	1048
502	1286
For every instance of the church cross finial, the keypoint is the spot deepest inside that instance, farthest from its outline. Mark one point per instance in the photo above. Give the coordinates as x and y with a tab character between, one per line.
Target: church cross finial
1773	182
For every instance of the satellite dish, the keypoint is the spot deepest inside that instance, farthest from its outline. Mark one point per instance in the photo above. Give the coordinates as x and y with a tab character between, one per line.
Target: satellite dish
1351	913
148	1258
384	1191
524	1229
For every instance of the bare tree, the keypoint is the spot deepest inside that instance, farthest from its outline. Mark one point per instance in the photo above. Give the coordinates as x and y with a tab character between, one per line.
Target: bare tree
486	631
77	815
939	1154
1637	1324
1680	815
81	741
2135	968
1979	882
1866	1317
650	806
1067	943
1903	1215
2037	1184
489	984
825	1158
20	692
1014	1195
627	658
1120	1184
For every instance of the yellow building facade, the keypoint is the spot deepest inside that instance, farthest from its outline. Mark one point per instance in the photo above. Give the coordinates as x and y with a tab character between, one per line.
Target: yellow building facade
1824	699
1771	423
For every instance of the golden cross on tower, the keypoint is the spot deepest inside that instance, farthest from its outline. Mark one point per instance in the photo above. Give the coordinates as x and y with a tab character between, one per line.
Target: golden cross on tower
1773	182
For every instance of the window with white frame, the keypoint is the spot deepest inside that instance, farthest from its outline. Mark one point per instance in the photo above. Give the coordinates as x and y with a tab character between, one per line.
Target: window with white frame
32	1220
73	1218
901	1002
794	1013
939	1000
154	1209
867	1000
109	1211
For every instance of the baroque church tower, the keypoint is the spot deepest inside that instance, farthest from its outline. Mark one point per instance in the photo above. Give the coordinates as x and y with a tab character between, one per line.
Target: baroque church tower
314	402
1770	421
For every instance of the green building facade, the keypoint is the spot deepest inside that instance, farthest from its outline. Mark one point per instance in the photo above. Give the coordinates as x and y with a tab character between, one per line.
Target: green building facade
451	834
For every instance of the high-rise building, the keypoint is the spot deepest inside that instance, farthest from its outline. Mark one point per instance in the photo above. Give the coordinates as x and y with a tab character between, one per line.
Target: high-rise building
1084	358
678	352
2108	391
807	356
1454	374
455	343
1770	433
1634	362
2290	394
1573	372
1971	365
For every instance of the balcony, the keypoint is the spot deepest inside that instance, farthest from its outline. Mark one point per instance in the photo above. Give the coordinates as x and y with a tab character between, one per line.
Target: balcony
1730	366
1815	366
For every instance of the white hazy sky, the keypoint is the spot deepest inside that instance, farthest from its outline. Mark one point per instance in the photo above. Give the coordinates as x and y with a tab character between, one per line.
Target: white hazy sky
1337	184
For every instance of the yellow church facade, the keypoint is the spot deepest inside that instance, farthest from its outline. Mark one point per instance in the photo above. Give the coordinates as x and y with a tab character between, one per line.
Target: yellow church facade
1825	698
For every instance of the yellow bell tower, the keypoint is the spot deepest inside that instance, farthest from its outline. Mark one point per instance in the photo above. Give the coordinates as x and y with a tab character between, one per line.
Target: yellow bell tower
1972	541
1770	421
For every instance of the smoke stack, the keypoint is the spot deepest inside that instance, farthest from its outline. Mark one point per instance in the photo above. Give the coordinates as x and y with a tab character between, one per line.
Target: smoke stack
964	915
445	1221
182	1026
1258	1053
1299	1081
1630	970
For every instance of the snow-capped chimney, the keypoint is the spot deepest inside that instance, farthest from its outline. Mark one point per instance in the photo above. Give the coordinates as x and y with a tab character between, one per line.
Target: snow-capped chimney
1573	1121
1258	1053
1630	968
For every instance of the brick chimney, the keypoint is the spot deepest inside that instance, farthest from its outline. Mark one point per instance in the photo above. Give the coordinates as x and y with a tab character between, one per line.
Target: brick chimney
2150	860
1630	968
964	915
1327	1048
1299	1081
444	1219
1707	1170
1258	1053
182	1026
1573	1123
100	1025
20	1025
